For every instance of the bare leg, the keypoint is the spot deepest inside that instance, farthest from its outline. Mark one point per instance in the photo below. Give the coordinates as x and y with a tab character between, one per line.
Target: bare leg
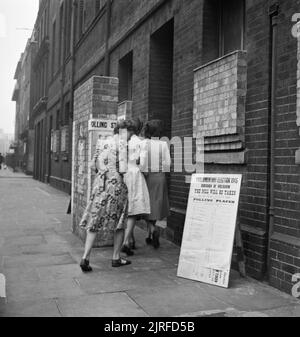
155	234
90	239
132	241
118	241
129	230
152	227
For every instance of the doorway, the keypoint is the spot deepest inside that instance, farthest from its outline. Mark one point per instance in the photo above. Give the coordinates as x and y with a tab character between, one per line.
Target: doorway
161	76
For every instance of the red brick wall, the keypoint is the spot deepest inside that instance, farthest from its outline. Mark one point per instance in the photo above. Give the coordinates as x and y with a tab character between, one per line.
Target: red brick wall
254	194
285	242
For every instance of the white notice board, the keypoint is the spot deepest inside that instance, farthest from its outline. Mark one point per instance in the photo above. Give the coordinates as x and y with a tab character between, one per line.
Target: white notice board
209	229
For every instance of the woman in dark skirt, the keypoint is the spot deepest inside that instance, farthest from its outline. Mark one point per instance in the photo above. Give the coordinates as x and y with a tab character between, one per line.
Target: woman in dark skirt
108	206
156	165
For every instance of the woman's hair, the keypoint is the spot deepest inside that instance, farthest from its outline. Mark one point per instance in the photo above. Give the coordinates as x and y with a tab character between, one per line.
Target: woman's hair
134	125
154	128
127	124
139	125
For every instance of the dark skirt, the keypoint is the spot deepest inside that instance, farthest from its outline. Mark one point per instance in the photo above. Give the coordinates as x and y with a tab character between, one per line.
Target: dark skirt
159	200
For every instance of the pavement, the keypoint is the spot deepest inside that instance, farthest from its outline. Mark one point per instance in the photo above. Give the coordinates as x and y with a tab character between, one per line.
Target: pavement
39	258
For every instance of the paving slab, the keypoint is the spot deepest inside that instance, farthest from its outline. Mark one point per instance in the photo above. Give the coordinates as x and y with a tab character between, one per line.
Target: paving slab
171	301
25	240
37	260
102	305
248	295
114	281
45	249
21	273
65	271
289	311
25	290
37	308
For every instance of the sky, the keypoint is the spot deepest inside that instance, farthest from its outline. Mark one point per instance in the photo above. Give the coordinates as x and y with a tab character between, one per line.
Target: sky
15	15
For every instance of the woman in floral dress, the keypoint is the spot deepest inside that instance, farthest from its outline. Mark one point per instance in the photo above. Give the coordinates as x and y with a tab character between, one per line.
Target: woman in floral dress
108	206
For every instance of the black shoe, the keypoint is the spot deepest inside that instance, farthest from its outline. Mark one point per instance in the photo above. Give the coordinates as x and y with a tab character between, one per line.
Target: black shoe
127	251
149	241
156	243
85	266
120	263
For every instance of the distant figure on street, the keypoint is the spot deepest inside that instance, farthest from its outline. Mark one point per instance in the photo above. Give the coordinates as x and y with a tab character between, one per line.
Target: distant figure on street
157	164
1	160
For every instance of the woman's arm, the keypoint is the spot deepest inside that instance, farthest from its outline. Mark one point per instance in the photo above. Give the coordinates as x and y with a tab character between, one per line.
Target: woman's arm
143	159
134	149
166	158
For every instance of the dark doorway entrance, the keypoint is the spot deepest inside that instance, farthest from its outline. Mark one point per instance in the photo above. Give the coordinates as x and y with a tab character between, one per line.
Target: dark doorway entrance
125	78
161	75
49	149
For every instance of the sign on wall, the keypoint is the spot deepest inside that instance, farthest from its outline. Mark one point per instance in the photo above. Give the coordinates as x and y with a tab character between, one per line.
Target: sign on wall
124	110
209	229
102	125
55	141
64	139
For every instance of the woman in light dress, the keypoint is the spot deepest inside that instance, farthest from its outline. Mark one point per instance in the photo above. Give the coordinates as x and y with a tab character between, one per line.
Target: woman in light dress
157	164
138	195
108	206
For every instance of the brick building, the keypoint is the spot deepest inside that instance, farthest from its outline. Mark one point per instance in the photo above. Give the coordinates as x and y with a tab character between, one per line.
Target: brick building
222	70
22	95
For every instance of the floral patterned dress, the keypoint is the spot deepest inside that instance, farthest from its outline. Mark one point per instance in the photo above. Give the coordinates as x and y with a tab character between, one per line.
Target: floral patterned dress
108	206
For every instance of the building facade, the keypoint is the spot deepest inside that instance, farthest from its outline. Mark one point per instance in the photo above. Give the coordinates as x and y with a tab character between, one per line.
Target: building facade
225	71
22	95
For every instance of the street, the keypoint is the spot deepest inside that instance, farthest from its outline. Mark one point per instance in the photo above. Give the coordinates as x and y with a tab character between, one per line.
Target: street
39	257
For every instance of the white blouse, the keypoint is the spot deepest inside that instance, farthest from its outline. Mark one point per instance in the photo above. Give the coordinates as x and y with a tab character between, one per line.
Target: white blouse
155	156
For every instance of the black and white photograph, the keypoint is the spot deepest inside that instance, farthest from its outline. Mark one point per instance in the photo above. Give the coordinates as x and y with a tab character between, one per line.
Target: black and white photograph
149	161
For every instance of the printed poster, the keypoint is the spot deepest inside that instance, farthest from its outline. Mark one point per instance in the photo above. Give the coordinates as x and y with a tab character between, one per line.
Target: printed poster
209	229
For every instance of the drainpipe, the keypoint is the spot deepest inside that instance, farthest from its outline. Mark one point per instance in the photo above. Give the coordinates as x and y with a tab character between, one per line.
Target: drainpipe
274	28
73	37
62	81
108	26
73	43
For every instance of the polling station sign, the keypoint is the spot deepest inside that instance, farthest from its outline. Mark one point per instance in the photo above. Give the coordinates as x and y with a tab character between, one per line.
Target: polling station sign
209	229
102	125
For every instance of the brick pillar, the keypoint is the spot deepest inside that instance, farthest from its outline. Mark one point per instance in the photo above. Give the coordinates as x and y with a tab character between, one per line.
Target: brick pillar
95	115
